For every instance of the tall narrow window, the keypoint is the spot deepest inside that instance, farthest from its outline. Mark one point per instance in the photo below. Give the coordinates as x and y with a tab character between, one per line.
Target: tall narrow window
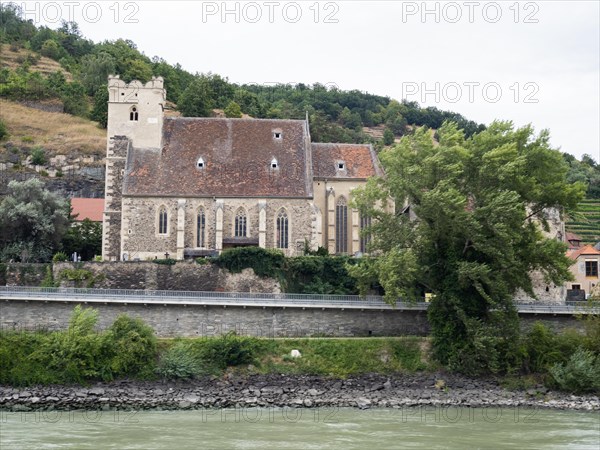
240	223
341	226
133	114
200	228
282	229
365	236
591	268
162	220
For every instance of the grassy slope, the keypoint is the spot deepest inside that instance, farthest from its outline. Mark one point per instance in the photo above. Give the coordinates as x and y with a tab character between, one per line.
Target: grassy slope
14	59
58	133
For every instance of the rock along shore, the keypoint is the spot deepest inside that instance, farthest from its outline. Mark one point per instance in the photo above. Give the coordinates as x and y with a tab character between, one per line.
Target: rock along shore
367	391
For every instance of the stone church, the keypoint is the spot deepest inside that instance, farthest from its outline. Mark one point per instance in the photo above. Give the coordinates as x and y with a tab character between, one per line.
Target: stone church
186	187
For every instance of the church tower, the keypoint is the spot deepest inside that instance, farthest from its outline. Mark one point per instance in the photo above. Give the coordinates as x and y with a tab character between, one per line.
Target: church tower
135	119
135	110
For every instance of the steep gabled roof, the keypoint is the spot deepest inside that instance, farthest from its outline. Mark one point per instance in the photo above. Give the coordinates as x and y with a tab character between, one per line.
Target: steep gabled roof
237	155
359	160
587	250
88	208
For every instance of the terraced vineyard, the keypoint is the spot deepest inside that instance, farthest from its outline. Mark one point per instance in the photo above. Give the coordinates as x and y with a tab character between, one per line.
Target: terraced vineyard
588	226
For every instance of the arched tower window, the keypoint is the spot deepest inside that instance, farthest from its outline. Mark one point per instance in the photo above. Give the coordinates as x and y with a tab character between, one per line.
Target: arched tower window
201	228
282	229
365	236
163	220
133	114
240	223
341	226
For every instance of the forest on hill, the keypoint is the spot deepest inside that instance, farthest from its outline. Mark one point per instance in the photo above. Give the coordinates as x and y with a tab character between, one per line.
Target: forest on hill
43	64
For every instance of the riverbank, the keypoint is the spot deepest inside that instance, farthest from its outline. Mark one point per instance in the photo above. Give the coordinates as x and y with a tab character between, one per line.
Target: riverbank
367	391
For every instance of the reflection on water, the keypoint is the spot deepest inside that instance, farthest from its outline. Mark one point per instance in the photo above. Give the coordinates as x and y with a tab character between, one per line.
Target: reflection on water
288	428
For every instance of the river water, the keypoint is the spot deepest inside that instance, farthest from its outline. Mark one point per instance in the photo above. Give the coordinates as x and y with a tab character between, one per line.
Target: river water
287	428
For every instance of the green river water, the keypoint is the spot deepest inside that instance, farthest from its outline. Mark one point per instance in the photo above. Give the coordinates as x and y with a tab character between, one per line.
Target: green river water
287	428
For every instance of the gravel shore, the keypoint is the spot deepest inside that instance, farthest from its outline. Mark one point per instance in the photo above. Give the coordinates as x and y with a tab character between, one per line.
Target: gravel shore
367	391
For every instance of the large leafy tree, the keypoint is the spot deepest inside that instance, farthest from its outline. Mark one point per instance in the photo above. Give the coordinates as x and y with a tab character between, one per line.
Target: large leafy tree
33	221
85	238
472	235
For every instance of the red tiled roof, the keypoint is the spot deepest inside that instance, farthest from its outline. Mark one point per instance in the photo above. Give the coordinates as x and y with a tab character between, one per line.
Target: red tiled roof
88	208
587	250
237	155
360	161
573	237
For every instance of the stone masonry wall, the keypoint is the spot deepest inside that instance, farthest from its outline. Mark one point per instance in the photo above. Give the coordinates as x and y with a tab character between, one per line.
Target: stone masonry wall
187	276
199	320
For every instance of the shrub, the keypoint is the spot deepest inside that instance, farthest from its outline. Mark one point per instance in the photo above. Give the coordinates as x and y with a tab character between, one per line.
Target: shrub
131	346
226	350
580	374
3	130
264	262
60	257
165	262
178	362
38	156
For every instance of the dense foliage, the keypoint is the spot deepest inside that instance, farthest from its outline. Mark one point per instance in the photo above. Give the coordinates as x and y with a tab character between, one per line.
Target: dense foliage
311	274
480	204
79	354
33	222
335	115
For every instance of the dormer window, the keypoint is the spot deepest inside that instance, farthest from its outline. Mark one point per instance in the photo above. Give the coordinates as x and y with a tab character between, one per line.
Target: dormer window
200	164
133	114
341	165
274	164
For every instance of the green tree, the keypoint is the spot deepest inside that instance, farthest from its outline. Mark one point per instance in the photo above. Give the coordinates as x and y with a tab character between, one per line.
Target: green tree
51	49
388	137
74	99
95	70
481	205
233	110
33	221
99	111
197	99
85	238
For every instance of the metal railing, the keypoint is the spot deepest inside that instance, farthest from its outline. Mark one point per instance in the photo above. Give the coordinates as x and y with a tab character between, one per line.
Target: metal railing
250	299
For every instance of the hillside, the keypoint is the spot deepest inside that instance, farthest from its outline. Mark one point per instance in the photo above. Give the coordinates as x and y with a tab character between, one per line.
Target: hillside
588	226
14	57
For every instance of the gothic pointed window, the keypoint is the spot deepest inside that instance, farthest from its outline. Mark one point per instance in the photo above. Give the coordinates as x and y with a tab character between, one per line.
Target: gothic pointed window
201	228
240	223
365	236
133	114
341	226
162	220
282	229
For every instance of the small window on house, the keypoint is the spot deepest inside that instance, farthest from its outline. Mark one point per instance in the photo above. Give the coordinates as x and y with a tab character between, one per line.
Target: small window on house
591	268
576	287
277	135
274	164
200	164
133	114
162	221
341	165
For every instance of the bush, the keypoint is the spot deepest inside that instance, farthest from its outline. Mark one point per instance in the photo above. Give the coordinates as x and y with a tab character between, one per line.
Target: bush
264	262
60	257
178	362
580	374
227	350
3	130
131	346
165	262
38	156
